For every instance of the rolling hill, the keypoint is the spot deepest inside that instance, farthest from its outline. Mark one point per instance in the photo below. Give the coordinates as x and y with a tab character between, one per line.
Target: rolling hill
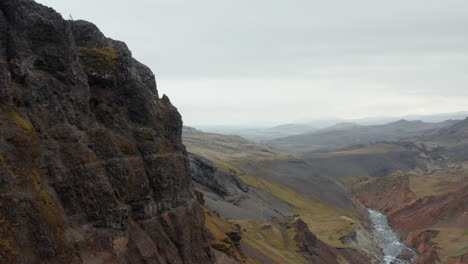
345	134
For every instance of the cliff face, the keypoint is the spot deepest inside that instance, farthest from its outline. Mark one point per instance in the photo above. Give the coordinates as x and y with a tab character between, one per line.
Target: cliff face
92	168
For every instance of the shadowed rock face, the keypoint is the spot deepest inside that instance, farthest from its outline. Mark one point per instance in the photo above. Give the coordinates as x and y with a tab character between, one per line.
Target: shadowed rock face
92	168
225	193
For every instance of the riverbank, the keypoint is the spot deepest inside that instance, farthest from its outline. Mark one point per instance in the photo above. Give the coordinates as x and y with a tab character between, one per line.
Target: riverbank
395	252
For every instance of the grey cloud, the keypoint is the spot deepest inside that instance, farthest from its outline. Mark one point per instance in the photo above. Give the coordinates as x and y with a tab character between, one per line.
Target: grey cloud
412	48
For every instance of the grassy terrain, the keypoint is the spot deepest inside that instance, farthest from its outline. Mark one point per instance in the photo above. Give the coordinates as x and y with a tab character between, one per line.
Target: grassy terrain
273	240
327	223
438	182
222	148
451	242
369	149
219	227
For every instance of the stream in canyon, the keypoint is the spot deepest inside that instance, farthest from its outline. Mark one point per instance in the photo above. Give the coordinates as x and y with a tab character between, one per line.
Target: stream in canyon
394	251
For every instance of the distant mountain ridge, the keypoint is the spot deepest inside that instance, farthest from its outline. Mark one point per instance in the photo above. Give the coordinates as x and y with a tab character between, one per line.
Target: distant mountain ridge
344	134
261	133
338	127
264	133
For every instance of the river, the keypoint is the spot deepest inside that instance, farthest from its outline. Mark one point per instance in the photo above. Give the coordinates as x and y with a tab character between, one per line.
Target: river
394	251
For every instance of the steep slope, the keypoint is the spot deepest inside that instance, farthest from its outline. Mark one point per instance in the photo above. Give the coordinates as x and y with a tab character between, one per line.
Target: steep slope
225	193
452	140
92	167
279	184
339	136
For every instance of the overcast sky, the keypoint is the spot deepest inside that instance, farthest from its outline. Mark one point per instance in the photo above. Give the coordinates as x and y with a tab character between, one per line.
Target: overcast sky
238	62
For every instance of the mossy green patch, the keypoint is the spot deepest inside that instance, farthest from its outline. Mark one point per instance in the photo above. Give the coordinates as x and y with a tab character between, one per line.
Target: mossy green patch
26	140
160	103
99	60
49	206
16	118
9	250
219	227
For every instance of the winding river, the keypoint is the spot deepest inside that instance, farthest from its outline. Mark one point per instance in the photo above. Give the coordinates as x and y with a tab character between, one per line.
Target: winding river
394	251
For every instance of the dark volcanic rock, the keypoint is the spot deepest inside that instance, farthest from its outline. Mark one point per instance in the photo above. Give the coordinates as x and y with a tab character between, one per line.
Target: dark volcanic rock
211	178
92	168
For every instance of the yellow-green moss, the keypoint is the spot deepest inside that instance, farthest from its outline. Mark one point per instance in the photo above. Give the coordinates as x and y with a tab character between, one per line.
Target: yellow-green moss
160	103
98	60
48	205
14	117
219	227
25	140
9	250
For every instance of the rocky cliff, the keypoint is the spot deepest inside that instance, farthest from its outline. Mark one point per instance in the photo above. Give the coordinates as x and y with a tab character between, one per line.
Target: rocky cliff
92	168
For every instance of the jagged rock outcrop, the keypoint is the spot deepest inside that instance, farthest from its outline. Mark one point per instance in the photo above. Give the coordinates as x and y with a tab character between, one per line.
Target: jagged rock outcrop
92	167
